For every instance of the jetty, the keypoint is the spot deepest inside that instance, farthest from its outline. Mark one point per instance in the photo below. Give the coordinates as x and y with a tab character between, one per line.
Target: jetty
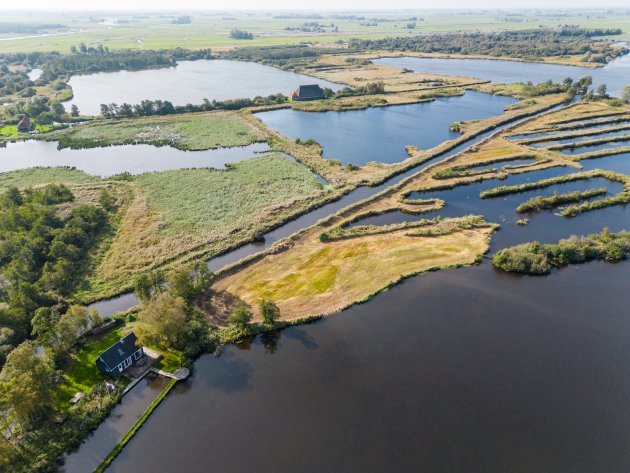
178	375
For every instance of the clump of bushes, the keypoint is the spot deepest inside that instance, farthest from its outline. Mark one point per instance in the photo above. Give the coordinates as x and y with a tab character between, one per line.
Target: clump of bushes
536	258
538	203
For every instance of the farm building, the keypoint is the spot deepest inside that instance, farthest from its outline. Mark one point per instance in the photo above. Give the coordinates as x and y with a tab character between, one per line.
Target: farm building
120	356
307	92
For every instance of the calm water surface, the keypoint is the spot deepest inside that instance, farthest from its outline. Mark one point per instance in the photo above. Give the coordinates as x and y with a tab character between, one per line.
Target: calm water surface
107	161
188	82
616	75
381	134
462	370
98	445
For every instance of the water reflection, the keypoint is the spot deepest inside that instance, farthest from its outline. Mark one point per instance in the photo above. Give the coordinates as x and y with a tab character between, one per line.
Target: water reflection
111	160
188	82
615	74
381	134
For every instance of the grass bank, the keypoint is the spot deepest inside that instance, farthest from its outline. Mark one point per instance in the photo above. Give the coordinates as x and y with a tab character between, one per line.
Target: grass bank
200	213
316	278
191	132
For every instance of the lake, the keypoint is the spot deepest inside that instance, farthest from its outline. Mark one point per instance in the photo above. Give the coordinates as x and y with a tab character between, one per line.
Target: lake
381	133
188	82
616	74
470	369
460	370
110	160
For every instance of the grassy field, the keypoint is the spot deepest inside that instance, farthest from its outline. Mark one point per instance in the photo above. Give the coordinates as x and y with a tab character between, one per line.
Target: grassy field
196	213
203	201
211	29
197	131
81	373
40	175
321	278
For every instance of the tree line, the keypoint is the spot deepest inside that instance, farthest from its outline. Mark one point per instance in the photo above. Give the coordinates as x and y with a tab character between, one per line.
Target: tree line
164	107
523	44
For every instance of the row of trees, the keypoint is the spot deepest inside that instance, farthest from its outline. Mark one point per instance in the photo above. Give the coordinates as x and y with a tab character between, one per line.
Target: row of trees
241	34
102	59
518	44
164	107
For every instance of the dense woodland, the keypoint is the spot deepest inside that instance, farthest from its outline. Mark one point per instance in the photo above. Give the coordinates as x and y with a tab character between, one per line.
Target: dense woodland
42	256
522	44
46	241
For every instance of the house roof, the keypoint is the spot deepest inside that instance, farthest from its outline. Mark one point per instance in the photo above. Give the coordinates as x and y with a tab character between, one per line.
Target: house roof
310	91
119	351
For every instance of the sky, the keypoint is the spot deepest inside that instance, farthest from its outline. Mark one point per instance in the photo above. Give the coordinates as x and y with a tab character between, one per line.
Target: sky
302	4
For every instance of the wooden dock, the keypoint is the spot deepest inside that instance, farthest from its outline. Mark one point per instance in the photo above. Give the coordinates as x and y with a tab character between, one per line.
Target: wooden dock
179	374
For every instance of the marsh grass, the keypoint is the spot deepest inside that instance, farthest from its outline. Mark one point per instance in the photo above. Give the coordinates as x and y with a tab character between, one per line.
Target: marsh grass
211	200
192	132
40	175
538	203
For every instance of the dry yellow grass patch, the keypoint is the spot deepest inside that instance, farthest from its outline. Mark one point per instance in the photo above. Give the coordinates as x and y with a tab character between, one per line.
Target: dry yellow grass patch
325	278
576	111
140	244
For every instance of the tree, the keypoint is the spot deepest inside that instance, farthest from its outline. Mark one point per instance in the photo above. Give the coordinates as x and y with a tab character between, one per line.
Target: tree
44	322
240	34
70	326
26	384
58	109
148	284
46	118
241	317
270	312
83	48
73	49
626	94
6	337
601	91
105	111
95	318
74	110
162	322
188	281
